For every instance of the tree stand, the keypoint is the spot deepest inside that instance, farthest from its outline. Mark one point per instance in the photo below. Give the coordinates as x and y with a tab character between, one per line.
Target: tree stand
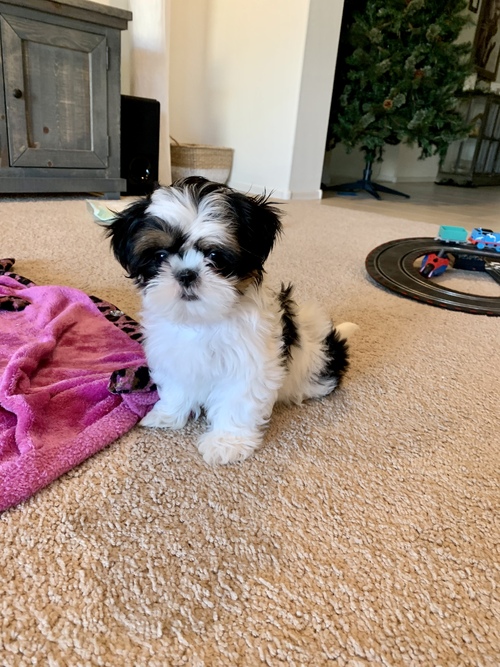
366	184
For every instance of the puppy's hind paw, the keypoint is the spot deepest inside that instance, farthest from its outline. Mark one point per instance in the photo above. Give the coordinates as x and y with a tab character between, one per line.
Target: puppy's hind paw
220	447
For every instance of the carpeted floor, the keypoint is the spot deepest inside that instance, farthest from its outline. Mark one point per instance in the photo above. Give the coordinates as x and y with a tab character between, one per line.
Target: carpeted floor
364	532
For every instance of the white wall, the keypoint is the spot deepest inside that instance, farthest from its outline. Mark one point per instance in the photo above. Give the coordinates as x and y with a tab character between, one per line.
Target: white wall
318	71
256	76
145	62
189	36
149	66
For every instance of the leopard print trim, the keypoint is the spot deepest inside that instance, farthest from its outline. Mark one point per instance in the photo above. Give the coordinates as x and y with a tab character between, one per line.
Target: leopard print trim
129	380
5	269
125	380
13	303
119	319
6	264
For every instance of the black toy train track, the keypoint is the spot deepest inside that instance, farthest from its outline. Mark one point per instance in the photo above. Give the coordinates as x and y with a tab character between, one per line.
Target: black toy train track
392	265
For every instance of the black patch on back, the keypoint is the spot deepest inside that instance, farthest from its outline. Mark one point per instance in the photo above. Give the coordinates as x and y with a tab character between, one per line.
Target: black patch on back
337	361
290	333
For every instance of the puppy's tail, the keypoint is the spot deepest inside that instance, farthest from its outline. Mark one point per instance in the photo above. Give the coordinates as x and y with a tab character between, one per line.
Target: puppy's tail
346	330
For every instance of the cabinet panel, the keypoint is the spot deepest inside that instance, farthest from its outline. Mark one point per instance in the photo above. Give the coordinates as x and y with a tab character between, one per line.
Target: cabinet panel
55	94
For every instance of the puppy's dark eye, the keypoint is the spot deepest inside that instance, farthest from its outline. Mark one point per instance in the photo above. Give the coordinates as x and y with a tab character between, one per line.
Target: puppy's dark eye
221	259
160	256
216	257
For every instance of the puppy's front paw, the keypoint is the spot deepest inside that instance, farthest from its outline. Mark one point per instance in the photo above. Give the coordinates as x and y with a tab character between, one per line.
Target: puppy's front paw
158	418
220	447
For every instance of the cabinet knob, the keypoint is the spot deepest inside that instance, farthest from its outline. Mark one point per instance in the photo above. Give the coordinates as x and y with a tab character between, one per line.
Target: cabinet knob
18	93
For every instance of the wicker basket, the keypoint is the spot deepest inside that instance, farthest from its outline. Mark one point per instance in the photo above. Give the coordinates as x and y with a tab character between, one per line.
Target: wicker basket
212	162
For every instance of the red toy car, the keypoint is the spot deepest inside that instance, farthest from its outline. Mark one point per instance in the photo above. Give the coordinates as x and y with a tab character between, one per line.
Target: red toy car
434	265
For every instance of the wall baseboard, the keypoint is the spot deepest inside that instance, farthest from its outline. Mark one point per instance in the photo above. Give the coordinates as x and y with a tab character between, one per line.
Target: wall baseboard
308	195
275	193
252	189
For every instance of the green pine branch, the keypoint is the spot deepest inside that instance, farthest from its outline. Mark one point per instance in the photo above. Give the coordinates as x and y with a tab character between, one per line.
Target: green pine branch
402	76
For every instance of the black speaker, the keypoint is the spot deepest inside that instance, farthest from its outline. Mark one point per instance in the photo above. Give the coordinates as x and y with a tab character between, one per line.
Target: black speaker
140	143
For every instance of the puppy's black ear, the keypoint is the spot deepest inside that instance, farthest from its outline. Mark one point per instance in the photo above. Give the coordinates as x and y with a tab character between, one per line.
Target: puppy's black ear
258	227
123	229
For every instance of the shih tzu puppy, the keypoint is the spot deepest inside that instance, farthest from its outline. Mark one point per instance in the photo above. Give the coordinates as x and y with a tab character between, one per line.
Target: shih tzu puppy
217	337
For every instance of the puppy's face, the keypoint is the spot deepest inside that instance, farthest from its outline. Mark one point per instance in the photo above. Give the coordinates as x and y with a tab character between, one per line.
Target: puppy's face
194	248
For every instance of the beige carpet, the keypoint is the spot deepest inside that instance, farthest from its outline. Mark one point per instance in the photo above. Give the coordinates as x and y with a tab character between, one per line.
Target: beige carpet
364	532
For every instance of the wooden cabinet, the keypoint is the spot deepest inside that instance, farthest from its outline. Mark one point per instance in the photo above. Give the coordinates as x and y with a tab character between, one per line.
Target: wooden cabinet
60	98
475	160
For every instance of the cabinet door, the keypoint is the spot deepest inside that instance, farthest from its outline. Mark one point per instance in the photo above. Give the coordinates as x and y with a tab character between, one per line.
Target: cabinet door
55	93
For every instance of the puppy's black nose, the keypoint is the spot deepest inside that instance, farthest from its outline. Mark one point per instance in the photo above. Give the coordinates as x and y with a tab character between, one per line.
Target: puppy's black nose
187	277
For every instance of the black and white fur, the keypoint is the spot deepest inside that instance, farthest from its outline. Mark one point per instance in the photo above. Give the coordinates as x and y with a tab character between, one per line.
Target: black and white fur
216	336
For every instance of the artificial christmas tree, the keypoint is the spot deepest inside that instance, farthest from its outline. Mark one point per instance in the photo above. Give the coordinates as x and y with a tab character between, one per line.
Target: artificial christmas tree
399	71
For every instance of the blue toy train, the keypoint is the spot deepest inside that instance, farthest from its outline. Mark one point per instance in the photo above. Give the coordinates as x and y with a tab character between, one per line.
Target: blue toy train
480	237
434	264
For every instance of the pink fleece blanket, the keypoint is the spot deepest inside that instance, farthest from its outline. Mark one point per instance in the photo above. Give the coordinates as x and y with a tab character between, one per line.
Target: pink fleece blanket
72	380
